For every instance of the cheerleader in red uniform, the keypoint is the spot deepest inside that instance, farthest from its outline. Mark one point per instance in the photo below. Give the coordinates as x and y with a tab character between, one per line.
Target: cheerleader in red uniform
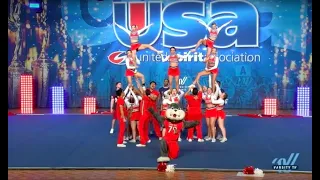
174	71
213	34
132	69
194	111
174	97
134	39
211	68
210	114
221	115
132	103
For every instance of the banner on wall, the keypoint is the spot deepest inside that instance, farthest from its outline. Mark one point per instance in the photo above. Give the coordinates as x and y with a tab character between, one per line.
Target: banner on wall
263	52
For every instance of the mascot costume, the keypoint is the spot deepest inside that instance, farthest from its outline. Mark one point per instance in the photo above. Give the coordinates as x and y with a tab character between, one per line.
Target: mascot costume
172	125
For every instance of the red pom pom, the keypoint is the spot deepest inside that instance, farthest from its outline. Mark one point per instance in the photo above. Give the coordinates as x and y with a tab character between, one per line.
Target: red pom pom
248	170
162	166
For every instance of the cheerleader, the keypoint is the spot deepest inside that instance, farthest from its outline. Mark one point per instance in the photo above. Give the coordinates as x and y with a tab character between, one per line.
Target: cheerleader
132	103
210	114
221	115
213	34
174	95
211	68
194	111
131	71
134	39
173	70
164	105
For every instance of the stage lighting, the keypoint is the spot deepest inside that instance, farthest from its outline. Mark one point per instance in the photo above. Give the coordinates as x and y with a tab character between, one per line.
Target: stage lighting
89	105
35	5
270	106
26	94
57	100
303	101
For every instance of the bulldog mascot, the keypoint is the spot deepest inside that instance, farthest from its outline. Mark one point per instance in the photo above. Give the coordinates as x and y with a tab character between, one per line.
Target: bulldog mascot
172	125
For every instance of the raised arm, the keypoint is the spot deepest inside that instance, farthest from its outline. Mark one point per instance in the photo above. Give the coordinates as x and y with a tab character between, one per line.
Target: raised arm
184	56
187	93
166	93
126	100
205	25
126	90
181	93
124	29
199	86
137	60
145	28
136	101
165	59
224	25
128	64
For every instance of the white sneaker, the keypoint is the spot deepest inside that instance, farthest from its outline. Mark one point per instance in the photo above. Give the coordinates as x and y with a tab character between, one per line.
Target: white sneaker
125	138
190	140
133	141
160	138
124	142
121	145
207	139
179	139
195	137
223	140
111	131
141	145
213	140
200	140
219	137
149	141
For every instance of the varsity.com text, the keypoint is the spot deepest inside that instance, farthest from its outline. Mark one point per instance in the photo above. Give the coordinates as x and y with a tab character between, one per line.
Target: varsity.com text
199	57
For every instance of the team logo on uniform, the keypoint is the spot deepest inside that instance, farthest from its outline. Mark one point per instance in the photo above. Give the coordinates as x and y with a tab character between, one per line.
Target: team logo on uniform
117	57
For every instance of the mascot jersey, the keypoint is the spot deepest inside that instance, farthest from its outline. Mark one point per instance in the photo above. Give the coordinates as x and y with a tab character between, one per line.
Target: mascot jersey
172	130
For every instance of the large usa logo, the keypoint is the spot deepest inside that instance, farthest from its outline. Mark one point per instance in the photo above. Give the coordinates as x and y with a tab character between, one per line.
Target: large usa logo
176	23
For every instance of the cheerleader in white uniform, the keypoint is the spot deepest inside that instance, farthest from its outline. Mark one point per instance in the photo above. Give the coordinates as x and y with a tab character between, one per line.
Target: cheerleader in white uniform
132	103
221	115
131	71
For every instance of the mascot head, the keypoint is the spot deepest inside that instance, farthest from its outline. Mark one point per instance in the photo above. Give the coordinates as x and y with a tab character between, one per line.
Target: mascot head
174	113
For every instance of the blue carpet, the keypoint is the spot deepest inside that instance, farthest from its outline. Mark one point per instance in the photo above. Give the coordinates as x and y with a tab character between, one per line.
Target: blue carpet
84	141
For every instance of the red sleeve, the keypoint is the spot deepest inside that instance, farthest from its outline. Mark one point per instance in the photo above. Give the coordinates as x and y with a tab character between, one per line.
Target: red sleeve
200	94
156	93
187	97
120	102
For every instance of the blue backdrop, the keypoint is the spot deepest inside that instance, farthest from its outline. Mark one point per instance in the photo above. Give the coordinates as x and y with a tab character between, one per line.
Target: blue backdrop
264	52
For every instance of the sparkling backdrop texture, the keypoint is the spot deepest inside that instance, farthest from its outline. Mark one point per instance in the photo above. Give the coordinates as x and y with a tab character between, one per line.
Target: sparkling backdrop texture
74	44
